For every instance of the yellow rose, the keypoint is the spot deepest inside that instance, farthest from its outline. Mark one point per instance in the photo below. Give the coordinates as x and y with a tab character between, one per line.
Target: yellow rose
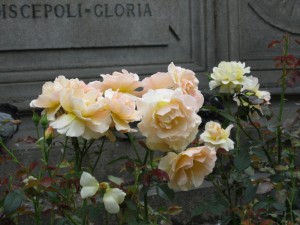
85	115
169	119
158	81
123	82
175	78
215	136
122	108
50	97
228	76
188	169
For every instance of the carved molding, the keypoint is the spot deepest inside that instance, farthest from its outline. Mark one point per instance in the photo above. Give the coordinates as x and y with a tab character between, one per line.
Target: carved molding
283	14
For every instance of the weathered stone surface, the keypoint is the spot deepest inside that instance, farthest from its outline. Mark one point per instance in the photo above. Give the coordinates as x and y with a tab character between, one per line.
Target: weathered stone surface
194	34
53	24
35	50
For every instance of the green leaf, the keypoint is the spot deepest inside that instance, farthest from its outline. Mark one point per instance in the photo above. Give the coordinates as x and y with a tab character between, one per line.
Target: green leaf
13	201
131	205
143	191
118	159
131	217
217	209
279	206
250	193
227	116
226	220
259	153
200	209
242	159
61	221
165	192
262	205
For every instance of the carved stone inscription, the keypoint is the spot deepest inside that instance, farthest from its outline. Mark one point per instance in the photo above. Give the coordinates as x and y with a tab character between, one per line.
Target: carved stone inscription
47	24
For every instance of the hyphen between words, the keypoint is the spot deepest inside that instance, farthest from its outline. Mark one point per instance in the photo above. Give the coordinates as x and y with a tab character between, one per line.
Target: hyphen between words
13	11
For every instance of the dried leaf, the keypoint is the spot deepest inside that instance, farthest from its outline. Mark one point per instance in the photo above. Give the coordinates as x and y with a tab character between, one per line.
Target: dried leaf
28	140
274	43
264	187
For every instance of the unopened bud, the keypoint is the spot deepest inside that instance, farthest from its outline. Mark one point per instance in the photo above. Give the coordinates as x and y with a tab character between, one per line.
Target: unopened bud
49	133
103	185
44	121
35	118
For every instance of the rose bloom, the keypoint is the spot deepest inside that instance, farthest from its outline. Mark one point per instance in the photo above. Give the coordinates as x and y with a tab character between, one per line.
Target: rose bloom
158	81
253	85
215	136
123	82
187	81
228	76
122	108
188	169
176	77
50	97
85	114
169	119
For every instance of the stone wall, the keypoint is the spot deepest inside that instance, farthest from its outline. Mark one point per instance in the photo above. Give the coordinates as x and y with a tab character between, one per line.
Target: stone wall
41	39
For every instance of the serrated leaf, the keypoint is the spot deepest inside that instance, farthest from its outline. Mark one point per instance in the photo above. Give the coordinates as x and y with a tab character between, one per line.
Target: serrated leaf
165	192
199	209
13	201
250	193
279	206
131	205
217	209
118	159
227	116
242	159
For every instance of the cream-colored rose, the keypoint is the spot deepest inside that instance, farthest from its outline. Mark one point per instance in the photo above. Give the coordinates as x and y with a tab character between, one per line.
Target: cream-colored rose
89	184
252	85
228	76
169	119
86	114
122	108
123	82
188	169
176	77
215	136
187	81
158	81
112	198
50	97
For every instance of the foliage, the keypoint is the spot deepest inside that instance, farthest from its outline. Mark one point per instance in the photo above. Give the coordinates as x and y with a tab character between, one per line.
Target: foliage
230	138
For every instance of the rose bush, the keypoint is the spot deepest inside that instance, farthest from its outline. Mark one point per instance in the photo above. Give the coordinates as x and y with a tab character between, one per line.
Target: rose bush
166	107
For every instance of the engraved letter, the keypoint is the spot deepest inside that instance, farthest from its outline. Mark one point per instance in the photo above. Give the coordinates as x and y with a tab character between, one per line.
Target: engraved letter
98	10
107	11
79	9
139	11
119	10
147	10
69	11
47	9
36	9
22	11
130	8
59	11
3	11
13	11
